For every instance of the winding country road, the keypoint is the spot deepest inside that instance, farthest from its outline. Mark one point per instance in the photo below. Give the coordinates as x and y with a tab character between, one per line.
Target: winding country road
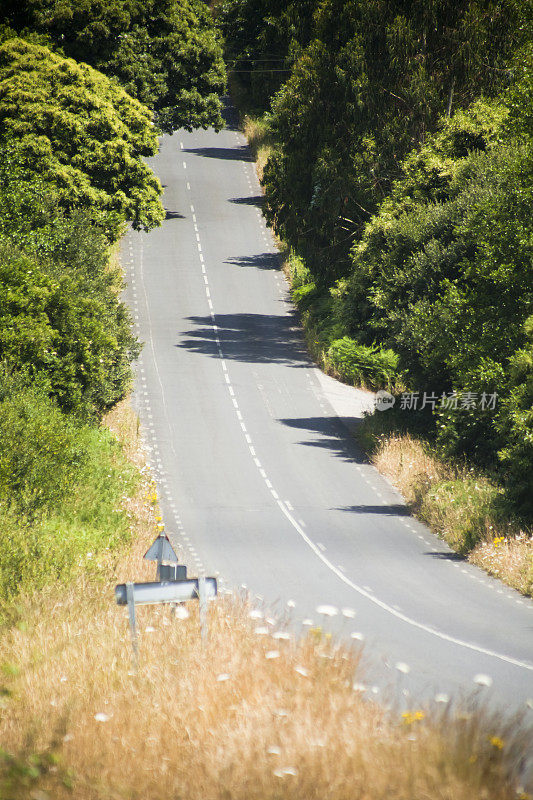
259	477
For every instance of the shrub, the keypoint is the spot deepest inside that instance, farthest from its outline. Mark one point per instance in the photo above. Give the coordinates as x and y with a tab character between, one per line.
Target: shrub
40	453
67	325
359	364
61	486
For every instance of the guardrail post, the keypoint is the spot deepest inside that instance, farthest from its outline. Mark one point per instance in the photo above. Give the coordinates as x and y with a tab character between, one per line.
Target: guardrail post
133	626
202	598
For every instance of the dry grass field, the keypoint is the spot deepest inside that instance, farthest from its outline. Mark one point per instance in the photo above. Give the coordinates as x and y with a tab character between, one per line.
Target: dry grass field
253	713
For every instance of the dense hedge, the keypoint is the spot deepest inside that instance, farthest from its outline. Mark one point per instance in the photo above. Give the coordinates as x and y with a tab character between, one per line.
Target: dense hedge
401	178
81	133
165	53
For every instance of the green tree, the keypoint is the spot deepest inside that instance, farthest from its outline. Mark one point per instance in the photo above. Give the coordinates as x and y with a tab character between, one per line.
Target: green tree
81	132
60	314
165	53
73	330
263	40
370	86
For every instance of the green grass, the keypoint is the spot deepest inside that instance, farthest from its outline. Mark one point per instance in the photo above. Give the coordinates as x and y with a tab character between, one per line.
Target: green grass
61	490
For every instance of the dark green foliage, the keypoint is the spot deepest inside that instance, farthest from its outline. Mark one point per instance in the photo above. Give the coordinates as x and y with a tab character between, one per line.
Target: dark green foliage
61	485
515	425
165	53
82	133
368	88
59	311
263	40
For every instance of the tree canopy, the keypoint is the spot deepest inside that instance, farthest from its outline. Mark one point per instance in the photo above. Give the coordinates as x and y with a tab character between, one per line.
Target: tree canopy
81	132
263	39
401	177
60	316
373	82
165	53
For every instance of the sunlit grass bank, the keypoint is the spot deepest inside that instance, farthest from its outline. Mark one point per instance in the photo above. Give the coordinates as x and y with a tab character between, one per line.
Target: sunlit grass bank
247	716
459	503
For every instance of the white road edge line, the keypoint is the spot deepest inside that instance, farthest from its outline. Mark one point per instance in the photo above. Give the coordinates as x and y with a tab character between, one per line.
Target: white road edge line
398	614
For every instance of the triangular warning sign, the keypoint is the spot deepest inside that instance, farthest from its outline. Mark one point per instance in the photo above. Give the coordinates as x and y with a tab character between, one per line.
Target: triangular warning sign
162	550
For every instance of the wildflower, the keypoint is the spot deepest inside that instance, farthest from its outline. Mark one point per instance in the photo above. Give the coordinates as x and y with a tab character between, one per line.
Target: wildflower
291	604
181	612
359	687
359	636
496	742
327	611
255	614
272	654
403	667
280	773
483	680
101	717
410	717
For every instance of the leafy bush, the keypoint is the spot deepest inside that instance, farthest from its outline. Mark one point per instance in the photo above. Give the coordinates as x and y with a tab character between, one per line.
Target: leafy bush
61	486
40	455
69	326
359	364
81	132
166	54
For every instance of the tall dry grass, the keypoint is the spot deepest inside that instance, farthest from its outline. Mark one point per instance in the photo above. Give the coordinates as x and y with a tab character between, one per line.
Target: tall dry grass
260	140
248	715
245	716
461	506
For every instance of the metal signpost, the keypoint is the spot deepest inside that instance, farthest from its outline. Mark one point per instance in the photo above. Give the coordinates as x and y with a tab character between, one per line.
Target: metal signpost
162	551
172	586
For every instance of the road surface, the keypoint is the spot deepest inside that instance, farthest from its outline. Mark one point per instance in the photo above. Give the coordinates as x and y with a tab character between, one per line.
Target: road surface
260	479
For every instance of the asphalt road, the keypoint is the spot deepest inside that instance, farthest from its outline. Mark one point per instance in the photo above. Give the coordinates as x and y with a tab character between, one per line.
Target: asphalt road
260	479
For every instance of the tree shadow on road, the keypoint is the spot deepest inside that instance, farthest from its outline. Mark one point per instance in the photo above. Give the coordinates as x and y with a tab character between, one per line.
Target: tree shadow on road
258	261
238	153
330	433
393	509
251	338
257	200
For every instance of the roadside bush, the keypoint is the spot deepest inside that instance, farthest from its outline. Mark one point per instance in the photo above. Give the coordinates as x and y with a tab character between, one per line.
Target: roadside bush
61	486
69	326
40	454
358	364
